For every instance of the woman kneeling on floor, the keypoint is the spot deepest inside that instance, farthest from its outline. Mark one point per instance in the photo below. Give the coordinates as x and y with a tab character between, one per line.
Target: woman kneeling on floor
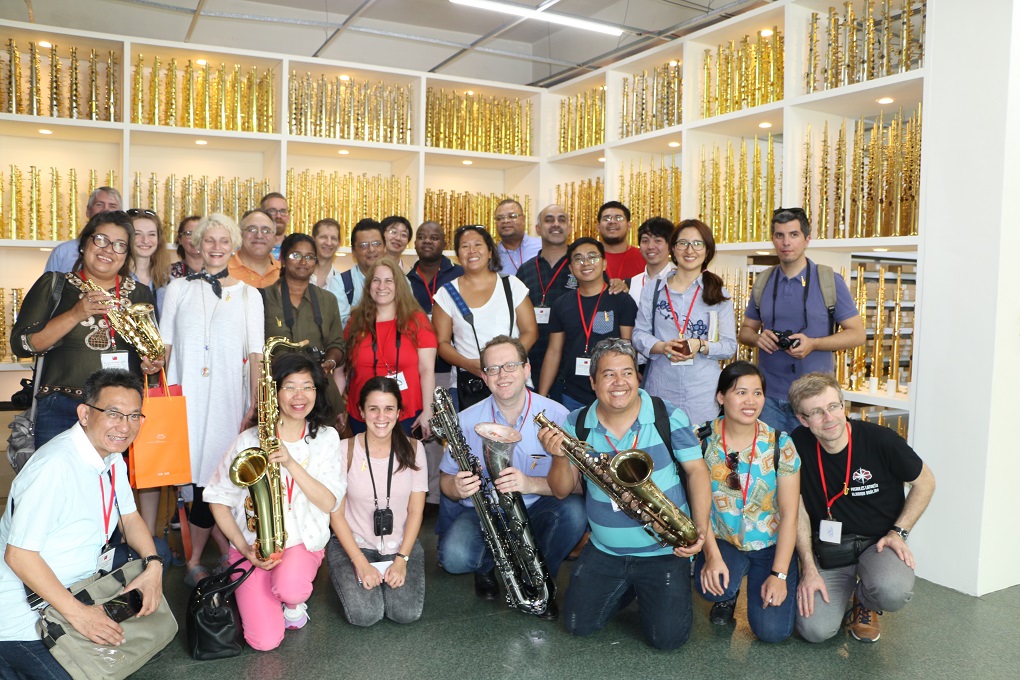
376	561
313	483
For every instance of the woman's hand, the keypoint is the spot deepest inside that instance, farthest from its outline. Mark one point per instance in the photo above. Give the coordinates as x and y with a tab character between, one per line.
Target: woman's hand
282	456
422	421
475	366
678	349
92	304
773	592
368	575
252	555
150	367
715	576
396	573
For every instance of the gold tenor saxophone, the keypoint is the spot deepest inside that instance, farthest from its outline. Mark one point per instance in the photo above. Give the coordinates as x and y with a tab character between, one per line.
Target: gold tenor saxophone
627	479
251	468
134	322
505	527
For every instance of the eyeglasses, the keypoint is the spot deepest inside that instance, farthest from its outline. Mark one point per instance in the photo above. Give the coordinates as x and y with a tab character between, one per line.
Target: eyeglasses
508	216
293	389
365	245
115	417
732	479
607	219
102	241
394	231
590	258
273	212
818	414
508	367
186	234
310	257
135	212
695	245
265	231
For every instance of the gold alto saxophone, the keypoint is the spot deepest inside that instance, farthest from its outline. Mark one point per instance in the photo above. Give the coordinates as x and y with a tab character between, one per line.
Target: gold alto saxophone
504	519
134	322
627	479
252	469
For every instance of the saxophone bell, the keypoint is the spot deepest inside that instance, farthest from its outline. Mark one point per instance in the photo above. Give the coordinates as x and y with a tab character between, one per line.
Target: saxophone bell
498	444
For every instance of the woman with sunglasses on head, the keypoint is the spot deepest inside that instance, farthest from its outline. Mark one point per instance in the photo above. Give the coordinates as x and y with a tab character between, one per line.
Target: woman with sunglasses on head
685	325
297	310
64	318
390	335
376	561
151	258
312	480
755	474
496	305
189	259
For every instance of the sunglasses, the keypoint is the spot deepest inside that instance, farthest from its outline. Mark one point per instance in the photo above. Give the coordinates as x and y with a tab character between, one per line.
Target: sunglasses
136	212
732	462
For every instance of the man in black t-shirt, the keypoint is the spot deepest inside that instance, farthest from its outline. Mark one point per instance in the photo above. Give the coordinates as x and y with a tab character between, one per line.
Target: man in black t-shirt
578	321
854	519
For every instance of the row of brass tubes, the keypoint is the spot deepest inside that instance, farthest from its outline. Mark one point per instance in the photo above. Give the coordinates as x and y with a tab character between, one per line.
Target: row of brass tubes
56	91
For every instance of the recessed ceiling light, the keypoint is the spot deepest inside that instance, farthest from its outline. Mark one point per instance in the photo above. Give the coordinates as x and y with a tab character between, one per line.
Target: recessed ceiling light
43	43
201	142
201	62
673	145
602	159
885	100
766	33
674	63
344	76
881	250
765	125
45	132
470	93
531	13
467	162
343	152
762	252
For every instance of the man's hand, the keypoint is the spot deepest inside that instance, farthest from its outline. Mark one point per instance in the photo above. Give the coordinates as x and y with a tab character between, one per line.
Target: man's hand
511	479
691	550
809	585
94	624
150	584
767	341
802	347
618	286
893	541
466	483
551	440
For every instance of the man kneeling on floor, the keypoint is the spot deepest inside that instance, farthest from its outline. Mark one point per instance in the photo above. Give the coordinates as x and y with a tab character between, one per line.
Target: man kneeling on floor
854	520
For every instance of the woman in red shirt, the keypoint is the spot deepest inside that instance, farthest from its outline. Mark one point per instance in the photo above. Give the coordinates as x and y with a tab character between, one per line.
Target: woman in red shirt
375	347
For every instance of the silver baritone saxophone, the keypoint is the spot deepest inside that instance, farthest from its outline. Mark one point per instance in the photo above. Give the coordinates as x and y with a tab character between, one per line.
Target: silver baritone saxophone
504	518
252	470
627	480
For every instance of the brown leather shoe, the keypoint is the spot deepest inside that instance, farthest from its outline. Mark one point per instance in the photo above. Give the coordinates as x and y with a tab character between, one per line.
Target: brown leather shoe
864	622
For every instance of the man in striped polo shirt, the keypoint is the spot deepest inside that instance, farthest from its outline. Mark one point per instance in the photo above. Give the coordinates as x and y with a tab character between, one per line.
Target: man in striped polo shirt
623	562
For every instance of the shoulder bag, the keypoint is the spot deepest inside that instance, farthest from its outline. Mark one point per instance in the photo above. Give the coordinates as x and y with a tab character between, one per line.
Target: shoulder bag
213	620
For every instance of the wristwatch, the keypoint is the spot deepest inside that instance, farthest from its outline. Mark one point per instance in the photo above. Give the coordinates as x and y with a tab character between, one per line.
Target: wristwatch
779	575
152	558
703	348
405	557
900	531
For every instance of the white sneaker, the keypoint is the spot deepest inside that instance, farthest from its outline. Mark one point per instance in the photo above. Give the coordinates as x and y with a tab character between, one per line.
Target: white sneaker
295	617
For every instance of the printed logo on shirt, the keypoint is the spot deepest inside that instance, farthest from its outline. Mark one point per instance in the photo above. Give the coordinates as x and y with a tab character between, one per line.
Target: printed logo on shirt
861	475
571	282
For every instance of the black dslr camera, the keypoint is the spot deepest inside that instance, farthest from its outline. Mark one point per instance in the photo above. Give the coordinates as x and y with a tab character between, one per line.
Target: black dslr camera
383	519
784	341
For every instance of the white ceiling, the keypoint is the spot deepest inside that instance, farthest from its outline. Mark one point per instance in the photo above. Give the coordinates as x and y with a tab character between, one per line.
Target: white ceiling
423	35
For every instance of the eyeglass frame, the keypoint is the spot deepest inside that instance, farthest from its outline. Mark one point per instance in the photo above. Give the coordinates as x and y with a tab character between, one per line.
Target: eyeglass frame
581	258
369	244
507	216
116	417
682	244
613	218
817	415
110	243
273	212
508	367
295	255
294	389
253	230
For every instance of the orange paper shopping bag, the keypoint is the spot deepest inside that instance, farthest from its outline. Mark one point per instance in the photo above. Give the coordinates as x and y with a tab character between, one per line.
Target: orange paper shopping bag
160	454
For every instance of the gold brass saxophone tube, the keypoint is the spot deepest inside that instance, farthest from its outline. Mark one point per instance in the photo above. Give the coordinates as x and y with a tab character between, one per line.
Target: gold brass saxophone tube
134	322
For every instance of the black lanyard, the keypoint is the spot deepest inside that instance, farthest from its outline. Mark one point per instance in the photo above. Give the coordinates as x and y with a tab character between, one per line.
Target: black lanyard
375	356
775	289
288	308
389	474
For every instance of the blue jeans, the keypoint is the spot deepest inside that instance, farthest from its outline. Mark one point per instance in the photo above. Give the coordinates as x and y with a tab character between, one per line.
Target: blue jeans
29	660
600	586
778	414
556	525
769	624
367	607
54	413
570	403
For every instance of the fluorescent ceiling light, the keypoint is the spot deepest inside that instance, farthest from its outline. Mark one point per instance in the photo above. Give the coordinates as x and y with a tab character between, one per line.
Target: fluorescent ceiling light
529	13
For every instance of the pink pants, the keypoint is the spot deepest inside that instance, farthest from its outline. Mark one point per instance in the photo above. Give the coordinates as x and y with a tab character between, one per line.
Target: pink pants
260	596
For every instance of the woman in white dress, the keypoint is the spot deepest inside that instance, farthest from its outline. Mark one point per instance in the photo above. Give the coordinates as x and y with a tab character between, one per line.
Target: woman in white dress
214	331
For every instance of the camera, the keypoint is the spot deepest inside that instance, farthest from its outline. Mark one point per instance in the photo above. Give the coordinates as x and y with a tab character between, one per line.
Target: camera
317	355
124	606
784	341
383	520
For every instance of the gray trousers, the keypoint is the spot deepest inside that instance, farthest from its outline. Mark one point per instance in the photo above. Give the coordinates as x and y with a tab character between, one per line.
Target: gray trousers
886	585
367	607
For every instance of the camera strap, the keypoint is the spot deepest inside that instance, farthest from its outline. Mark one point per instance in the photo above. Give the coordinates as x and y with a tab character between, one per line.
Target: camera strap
375	353
288	308
389	473
775	289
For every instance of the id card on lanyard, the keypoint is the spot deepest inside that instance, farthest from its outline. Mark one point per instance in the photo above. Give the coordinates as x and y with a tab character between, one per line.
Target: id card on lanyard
106	554
829	530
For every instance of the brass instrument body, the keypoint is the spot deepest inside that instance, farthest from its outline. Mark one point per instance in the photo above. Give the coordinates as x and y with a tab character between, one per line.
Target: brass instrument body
505	527
251	469
134	322
627	479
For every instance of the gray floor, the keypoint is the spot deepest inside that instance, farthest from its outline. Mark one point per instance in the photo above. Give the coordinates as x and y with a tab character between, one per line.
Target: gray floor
941	634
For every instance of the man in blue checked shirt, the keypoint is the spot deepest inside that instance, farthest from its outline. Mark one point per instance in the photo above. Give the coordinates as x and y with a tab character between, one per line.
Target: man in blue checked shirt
622	561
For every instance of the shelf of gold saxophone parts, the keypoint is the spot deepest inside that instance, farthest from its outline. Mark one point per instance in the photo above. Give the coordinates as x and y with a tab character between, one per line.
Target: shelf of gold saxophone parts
879	398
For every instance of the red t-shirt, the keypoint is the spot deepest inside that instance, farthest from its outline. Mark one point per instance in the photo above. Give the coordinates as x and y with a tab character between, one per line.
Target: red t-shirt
367	365
626	264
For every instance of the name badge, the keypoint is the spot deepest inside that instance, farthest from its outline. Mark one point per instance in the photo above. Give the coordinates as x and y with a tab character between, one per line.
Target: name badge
114	360
401	380
582	366
106	561
688	362
830	531
542	314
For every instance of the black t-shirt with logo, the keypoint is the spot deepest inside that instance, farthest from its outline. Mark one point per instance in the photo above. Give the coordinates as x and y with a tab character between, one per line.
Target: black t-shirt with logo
882	462
614	311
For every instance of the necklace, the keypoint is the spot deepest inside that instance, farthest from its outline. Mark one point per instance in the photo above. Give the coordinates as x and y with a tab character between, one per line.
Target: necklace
207	320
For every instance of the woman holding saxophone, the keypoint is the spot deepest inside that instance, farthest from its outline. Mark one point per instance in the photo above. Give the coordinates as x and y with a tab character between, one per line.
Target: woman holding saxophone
376	561
312	484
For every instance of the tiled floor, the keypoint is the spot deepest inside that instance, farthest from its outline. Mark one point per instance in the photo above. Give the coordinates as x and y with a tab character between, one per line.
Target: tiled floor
941	634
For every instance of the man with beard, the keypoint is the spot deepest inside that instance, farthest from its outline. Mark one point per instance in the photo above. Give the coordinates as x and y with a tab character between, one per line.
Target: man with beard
515	246
622	261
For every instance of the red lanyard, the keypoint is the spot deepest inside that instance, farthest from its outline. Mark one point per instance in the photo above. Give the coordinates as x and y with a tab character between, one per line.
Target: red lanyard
543	287
676	319
632	446
116	288
290	480
750	462
520	249
108	507
435	283
526	411
821	471
588	327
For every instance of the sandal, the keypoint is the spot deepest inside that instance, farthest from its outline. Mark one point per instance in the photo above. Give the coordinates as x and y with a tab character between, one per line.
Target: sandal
223	564
195	574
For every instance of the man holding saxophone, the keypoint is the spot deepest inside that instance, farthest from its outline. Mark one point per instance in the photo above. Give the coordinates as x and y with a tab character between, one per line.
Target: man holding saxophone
556	523
623	561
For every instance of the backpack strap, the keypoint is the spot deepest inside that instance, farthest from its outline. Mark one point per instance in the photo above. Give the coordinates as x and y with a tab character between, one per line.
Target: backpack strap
758	289
775	453
703	432
666	435
509	305
827	282
465	311
579	427
655	302
348	280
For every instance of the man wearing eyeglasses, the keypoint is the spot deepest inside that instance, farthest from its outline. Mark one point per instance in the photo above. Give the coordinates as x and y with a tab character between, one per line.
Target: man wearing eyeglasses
275	205
253	263
396	235
368	245
515	246
792	317
854	519
556	524
622	261
63	257
64	506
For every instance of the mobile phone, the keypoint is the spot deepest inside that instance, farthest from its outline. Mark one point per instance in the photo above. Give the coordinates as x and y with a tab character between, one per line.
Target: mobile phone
685	347
124	606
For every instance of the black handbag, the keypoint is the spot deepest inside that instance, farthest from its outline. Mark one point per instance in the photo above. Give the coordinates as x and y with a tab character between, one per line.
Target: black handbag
213	621
842	554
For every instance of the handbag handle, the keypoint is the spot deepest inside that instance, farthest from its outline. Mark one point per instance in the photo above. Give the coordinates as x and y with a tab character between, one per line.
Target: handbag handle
229	587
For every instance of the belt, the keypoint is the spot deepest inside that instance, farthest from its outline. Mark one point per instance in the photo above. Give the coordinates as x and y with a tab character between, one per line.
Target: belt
75	392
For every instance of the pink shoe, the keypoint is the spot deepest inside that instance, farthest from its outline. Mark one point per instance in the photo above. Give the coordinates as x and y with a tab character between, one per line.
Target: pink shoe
295	617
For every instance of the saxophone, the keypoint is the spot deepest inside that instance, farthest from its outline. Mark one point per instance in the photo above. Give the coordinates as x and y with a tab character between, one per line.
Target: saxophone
252	469
504	518
134	322
627	480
